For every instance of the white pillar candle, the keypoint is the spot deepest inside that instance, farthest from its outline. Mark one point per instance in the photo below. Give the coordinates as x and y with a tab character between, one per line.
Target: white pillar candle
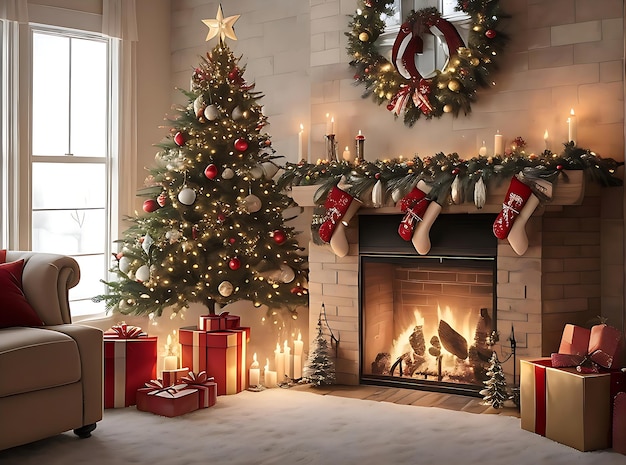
297	366
254	372
279	362
498	144
347	156
482	151
287	359
269	377
545	140
300	136
170	362
328	124
298	345
571	127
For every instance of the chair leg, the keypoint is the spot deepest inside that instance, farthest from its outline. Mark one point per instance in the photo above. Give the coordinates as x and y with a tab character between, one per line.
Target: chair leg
85	431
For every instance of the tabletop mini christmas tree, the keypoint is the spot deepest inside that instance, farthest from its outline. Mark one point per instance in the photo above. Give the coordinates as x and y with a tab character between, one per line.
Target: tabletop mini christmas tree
213	228
320	367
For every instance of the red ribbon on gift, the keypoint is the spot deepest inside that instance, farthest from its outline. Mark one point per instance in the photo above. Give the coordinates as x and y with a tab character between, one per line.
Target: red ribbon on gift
200	378
125	331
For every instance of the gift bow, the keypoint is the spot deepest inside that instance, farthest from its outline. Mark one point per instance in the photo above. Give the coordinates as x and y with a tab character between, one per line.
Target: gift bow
127	331
200	378
157	386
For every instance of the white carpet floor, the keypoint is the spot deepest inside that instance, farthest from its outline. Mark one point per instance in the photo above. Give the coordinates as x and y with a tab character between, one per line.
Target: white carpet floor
283	426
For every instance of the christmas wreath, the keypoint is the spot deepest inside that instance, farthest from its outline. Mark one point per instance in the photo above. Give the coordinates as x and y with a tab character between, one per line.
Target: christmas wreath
400	84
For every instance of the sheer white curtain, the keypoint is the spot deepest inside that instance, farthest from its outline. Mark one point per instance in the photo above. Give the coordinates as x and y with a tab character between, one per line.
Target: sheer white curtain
119	20
14	10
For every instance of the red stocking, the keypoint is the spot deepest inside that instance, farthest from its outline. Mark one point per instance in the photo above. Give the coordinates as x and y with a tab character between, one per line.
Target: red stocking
414	205
515	198
336	205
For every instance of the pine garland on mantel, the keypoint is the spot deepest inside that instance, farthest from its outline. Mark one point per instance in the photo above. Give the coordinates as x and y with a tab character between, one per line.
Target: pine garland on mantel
398	176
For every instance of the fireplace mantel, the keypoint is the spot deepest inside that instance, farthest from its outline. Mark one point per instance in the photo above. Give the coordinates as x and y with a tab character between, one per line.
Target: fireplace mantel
569	190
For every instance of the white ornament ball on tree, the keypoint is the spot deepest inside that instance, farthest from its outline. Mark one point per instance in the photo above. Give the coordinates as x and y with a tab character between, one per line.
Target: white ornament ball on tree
187	196
257	172
124	264
228	173
143	273
252	203
286	274
237	113
211	112
225	288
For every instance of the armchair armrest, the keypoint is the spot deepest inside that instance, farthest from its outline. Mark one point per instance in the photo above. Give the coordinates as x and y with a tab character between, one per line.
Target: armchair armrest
46	280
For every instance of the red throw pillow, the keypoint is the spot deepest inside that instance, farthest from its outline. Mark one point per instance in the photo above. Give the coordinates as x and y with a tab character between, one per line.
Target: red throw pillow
14	308
3	256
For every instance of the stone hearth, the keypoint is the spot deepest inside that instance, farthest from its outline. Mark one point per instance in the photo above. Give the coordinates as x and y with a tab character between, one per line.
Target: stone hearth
557	281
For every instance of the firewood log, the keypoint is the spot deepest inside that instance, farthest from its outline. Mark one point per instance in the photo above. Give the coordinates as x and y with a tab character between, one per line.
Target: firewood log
452	341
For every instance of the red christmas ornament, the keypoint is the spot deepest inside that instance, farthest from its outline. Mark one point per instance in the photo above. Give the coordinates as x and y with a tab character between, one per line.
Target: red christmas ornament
234	264
279	236
559	167
150	205
232	240
377	176
194	232
221	218
241	145
490	33
211	171
233	74
179	138
455	171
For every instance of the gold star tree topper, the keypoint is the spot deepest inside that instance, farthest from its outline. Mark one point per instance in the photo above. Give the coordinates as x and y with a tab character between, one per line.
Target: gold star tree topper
221	26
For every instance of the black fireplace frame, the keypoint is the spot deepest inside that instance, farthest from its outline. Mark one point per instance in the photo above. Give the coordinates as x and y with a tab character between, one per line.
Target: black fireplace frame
454	236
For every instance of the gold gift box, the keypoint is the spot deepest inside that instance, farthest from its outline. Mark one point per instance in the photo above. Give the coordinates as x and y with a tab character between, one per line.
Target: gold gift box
573	409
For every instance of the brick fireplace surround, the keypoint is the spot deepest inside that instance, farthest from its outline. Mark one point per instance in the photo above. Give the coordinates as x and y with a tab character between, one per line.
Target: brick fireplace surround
571	273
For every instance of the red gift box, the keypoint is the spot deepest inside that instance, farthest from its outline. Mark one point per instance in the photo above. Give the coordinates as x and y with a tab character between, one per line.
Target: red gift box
193	348
226	358
218	322
128	364
603	344
171	377
575	340
169	401
207	388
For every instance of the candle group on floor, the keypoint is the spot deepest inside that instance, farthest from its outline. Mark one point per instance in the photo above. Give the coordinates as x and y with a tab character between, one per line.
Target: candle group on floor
288	364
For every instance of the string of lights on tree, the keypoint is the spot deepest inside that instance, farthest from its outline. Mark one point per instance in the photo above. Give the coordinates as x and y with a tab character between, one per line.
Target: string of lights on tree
213	228
399	84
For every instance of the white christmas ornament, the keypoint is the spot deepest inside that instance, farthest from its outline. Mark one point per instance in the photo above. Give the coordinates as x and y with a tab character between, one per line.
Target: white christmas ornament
211	112
252	203
198	106
187	196
286	274
228	173
143	273
225	288
237	113
124	264
377	194
269	169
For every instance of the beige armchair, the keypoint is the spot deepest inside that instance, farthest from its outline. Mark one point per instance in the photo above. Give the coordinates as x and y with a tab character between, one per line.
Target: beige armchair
51	375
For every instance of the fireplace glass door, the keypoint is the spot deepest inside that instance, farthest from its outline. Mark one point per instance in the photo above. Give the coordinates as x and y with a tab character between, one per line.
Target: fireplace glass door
425	321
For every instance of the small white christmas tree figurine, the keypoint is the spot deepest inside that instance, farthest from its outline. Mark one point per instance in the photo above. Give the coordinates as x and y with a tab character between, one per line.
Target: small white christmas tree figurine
494	393
320	368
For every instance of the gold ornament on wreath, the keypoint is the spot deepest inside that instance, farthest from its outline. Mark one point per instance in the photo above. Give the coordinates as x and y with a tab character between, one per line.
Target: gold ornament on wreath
400	83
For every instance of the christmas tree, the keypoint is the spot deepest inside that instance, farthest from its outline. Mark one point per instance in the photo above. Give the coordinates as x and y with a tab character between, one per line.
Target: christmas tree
320	368
494	393
213	228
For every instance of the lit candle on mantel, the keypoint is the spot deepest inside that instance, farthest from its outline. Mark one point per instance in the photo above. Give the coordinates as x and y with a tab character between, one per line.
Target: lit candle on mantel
498	144
328	124
298	346
269	377
279	361
347	156
482	151
300	151
287	356
545	140
571	127
254	373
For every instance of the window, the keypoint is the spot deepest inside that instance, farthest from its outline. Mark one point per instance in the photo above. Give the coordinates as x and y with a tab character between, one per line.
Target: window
71	169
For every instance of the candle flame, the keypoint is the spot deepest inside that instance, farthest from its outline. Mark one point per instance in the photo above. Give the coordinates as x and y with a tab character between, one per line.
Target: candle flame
254	357
169	339
545	135
267	364
277	347
301	127
571	112
299	336
285	344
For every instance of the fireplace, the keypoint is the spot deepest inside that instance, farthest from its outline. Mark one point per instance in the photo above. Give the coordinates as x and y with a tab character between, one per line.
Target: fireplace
425	320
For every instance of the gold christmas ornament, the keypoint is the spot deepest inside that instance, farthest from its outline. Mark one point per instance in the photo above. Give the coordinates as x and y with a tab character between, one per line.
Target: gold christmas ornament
454	85
447	108
364	37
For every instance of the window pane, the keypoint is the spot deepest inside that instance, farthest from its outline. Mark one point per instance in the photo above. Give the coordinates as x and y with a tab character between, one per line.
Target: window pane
50	94
89	98
70	232
69	185
92	269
